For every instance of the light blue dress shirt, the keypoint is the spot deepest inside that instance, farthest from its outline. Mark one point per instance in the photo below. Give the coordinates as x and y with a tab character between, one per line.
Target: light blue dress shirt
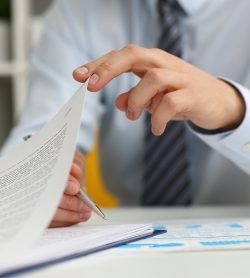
216	39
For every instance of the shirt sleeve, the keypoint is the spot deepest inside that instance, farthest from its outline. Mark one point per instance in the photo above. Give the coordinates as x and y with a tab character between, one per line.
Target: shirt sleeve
63	47
234	144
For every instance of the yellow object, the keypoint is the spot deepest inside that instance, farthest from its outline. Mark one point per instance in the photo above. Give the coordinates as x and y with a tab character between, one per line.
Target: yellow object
94	183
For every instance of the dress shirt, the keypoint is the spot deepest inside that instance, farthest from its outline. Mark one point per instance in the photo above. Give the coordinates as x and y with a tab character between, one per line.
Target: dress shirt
216	39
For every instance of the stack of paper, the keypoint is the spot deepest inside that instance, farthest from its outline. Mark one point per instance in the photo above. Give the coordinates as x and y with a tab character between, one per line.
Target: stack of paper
58	245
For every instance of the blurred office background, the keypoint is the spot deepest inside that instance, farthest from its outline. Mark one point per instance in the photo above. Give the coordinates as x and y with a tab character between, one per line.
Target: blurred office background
20	26
19	31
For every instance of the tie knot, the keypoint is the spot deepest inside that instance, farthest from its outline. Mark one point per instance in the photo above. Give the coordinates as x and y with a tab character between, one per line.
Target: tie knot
166	6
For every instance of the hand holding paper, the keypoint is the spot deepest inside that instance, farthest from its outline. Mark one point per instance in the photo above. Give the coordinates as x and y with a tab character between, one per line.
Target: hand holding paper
71	209
32	181
33	177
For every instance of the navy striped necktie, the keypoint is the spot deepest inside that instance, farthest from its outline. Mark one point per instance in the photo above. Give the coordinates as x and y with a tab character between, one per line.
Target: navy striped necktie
166	179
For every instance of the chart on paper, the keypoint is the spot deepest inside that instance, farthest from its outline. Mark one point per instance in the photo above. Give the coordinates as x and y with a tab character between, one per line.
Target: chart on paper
197	235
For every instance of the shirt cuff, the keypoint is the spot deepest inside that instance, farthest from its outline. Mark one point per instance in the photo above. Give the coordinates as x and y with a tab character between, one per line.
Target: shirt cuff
234	144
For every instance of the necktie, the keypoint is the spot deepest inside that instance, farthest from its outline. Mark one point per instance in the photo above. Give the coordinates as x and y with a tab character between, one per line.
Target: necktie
166	178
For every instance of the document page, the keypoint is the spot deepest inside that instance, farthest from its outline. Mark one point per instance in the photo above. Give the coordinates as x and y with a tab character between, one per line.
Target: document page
33	177
70	242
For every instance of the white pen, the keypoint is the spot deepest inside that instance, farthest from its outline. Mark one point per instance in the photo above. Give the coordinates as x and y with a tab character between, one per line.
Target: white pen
82	195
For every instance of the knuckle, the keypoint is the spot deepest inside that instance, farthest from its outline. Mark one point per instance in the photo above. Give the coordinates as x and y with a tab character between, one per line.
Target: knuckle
161	52
132	48
169	101
158	50
106	67
154	74
135	53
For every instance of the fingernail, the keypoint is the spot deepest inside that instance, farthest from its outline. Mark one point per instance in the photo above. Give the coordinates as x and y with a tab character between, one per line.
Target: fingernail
84	216
82	70
94	79
156	130
71	187
130	114
81	216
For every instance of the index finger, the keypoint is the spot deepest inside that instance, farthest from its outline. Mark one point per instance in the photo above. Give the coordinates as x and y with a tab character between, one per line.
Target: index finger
131	58
82	73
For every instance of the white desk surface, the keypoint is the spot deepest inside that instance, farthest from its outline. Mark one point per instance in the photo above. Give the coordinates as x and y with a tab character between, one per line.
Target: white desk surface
210	264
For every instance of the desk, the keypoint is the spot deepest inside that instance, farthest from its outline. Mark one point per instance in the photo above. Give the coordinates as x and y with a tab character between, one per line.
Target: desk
175	265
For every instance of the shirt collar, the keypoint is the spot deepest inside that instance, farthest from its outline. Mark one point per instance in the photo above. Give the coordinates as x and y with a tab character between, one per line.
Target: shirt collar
192	6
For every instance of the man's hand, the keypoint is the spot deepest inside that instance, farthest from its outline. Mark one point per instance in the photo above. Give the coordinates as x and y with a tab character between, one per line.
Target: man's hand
71	209
170	89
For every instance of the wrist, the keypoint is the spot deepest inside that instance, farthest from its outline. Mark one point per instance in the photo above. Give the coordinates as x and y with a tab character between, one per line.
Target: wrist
236	107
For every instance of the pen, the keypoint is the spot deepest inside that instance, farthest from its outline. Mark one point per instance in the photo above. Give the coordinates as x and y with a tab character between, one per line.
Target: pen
82	195
90	203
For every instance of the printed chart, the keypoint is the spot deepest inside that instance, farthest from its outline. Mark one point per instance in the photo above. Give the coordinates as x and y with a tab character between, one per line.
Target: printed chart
196	236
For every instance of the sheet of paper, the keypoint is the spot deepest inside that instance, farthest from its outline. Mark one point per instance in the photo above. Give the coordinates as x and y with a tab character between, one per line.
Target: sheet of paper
32	181
33	178
196	235
60	244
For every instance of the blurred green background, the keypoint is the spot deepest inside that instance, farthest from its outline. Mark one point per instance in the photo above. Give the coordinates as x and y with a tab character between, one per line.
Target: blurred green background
4	8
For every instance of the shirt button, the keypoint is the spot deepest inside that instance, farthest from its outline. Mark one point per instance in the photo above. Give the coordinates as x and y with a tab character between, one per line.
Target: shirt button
246	147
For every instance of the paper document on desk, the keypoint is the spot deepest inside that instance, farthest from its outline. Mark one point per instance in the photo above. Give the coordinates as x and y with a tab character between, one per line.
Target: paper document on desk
33	178
59	245
32	181
194	235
